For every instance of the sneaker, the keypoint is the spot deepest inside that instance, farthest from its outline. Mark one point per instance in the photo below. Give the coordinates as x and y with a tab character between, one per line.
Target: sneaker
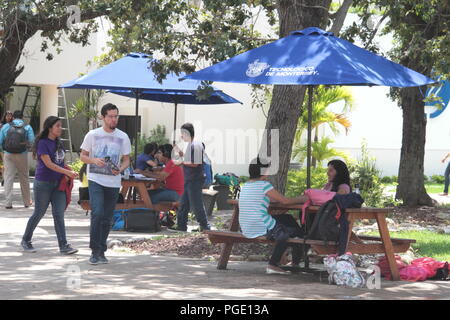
207	227
67	249
8	207
443	194
93	260
27	246
102	259
177	228
276	270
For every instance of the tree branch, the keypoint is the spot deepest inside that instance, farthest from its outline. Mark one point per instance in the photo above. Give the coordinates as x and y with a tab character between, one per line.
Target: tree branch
339	17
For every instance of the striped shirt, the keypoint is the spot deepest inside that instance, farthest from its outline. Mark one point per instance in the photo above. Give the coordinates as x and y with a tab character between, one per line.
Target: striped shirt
254	217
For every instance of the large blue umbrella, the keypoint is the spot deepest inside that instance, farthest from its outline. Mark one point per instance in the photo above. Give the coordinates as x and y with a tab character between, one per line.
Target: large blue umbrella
182	96
134	74
311	57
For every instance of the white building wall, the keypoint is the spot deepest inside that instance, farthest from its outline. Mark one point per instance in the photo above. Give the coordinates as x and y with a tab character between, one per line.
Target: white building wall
376	118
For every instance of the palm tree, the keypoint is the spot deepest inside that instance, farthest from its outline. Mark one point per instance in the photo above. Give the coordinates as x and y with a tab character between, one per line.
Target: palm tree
320	151
324	97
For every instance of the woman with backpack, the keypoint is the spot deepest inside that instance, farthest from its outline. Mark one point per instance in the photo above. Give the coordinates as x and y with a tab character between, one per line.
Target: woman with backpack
49	151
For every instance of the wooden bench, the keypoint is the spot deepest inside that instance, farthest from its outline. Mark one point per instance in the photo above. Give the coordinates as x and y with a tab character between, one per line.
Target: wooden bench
141	190
355	244
162	206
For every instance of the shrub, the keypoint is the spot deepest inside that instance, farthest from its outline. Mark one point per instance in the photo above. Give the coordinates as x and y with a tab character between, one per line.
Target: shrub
365	174
435	178
386	180
76	165
296	180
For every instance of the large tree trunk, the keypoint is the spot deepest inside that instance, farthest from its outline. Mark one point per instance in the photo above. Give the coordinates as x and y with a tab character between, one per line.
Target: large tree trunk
286	100
10	51
411	172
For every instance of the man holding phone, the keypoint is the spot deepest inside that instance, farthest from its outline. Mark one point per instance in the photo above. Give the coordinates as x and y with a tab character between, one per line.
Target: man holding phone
103	149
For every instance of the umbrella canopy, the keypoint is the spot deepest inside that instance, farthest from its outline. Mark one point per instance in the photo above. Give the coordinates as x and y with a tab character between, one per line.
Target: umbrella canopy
181	96
134	74
311	57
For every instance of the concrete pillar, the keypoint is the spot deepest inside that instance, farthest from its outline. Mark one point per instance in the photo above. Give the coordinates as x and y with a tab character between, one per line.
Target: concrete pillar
49	102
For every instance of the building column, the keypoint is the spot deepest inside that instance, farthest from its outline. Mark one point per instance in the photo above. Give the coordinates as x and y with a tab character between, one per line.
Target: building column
49	102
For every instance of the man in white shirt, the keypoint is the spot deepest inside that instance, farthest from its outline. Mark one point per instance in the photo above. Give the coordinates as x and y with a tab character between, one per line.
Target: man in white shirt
103	149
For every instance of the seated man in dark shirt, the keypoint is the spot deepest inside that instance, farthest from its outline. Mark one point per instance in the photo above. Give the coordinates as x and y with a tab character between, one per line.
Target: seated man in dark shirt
146	161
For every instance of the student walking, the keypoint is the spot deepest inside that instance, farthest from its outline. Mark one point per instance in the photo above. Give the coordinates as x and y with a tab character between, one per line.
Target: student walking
103	149
446	176
192	198
15	137
50	170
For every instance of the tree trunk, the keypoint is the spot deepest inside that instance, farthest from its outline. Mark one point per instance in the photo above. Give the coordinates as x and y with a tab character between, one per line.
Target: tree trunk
411	172
285	108
10	52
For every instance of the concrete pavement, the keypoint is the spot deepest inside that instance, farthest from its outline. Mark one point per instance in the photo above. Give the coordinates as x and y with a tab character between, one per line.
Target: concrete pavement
48	275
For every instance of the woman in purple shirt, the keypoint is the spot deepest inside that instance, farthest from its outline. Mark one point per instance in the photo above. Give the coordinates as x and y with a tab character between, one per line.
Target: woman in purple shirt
49	171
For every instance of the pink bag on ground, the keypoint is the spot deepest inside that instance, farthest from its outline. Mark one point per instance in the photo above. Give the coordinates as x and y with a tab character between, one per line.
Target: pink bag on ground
413	273
316	197
429	264
383	263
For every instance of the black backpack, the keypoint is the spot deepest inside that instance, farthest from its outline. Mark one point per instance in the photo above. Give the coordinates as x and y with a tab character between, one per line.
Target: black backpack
16	140
325	225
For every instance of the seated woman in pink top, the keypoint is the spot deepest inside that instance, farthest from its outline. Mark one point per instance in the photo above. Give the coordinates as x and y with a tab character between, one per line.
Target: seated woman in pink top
338	177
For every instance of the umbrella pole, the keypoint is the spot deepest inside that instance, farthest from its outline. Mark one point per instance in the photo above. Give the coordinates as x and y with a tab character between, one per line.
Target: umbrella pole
175	123
136	123
308	154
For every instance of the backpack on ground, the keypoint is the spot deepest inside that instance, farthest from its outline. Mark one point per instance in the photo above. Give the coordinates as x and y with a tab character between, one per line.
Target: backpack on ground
16	140
343	272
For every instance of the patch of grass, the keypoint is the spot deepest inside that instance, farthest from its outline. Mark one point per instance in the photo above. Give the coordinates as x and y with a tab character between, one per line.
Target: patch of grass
434	188
428	244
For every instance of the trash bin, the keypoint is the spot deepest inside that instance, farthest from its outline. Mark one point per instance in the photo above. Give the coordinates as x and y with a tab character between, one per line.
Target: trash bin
209	200
222	197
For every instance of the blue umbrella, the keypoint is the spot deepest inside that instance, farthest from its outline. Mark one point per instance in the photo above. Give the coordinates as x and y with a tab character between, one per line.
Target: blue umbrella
311	57
183	96
134	74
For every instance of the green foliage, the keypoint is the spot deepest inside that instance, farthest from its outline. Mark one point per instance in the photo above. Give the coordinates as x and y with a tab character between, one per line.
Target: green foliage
319	151
296	180
428	244
365	174
157	135
243	179
437	179
76	165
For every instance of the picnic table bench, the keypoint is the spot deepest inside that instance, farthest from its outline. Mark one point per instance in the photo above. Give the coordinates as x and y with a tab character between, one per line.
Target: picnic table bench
355	243
144	202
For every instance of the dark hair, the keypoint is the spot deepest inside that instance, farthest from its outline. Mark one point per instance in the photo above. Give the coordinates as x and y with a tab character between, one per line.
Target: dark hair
18	114
166	150
107	107
254	169
189	128
342	174
48	123
4	116
150	148
83	171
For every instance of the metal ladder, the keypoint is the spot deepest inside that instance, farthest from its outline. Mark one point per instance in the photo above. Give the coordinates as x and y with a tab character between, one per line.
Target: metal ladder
63	112
30	108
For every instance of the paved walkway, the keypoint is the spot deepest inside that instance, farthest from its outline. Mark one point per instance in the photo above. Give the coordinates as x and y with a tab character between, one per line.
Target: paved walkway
48	275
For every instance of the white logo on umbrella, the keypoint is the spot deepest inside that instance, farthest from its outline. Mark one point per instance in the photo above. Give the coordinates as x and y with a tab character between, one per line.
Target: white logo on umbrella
256	68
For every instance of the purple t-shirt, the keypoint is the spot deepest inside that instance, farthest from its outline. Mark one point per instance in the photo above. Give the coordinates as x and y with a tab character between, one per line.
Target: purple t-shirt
43	173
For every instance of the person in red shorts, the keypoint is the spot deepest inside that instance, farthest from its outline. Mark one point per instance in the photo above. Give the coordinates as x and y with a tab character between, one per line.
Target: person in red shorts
171	174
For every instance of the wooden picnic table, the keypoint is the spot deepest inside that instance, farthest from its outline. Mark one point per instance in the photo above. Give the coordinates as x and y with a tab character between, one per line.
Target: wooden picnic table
355	244
144	201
